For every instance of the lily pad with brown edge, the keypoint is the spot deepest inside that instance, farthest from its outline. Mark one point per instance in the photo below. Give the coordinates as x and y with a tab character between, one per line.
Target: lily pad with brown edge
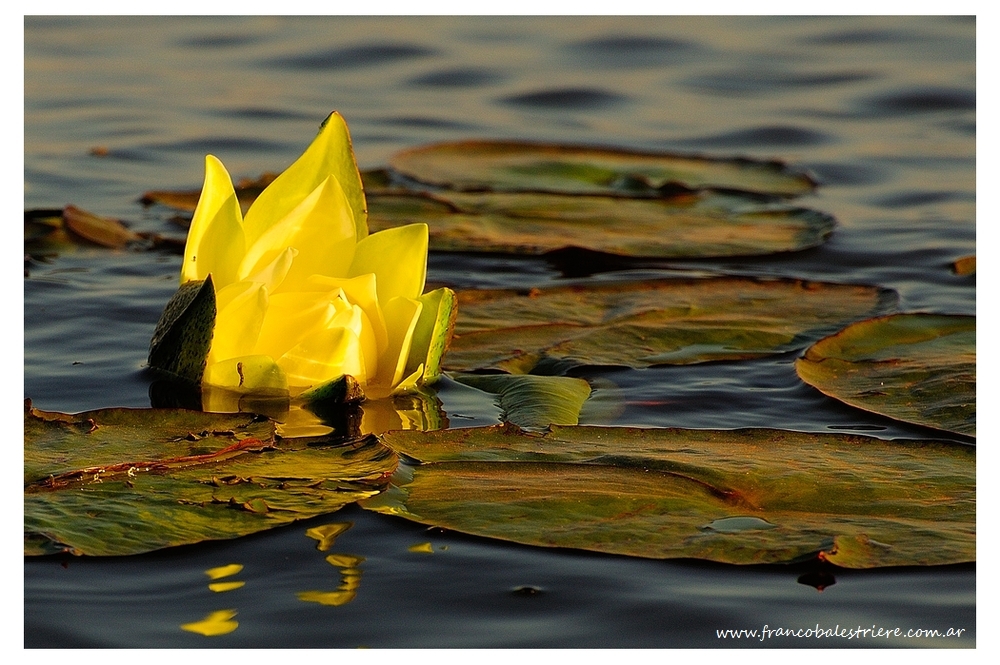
116	482
918	368
655	322
686	225
516	166
741	496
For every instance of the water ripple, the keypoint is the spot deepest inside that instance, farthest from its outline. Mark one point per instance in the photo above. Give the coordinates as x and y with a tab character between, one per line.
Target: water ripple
457	78
366	55
764	137
632	51
921	100
573	98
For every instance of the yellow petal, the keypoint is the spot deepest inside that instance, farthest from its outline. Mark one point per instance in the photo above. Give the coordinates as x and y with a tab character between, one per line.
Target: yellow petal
291	317
321	228
398	259
215	242
360	291
409	383
323	356
241	308
246	374
330	153
401	316
273	274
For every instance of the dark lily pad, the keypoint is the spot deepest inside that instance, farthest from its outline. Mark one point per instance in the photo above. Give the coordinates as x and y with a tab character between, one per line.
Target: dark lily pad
125	481
689	224
661	322
780	496
507	166
919	368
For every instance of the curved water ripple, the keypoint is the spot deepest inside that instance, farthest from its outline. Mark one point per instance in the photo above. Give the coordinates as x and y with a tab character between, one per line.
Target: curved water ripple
363	55
566	98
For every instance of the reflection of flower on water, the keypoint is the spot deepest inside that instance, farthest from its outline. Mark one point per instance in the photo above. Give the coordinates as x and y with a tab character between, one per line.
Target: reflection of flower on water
303	294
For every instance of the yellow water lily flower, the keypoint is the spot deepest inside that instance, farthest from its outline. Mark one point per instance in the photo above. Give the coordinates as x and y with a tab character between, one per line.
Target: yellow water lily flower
303	295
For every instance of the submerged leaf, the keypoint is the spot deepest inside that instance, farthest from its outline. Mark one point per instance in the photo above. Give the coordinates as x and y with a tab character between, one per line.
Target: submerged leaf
919	368
505	166
778	496
662	322
686	225
125	481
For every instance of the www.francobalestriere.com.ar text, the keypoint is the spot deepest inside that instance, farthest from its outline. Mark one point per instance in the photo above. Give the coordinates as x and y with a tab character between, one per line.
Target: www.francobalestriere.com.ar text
844	633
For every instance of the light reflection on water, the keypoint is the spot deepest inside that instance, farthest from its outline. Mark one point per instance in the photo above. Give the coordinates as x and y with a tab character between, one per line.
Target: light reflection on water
880	110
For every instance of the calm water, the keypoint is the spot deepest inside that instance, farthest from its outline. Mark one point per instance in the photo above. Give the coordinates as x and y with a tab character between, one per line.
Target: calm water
881	111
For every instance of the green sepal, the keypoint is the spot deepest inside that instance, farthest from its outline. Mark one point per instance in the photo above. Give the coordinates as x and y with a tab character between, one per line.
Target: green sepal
183	335
344	389
433	332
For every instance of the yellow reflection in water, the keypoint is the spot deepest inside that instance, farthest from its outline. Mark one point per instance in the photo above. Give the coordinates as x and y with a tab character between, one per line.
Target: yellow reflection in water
350	580
327	534
219	587
416	411
216	623
422	548
223	571
345	561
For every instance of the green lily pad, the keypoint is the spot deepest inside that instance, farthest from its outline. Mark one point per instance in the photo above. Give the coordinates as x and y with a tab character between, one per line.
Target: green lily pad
506	166
918	368
533	401
742	497
686	225
657	322
126	481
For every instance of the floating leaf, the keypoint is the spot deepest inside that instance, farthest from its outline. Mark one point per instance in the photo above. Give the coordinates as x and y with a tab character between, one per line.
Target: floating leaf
124	481
965	265
919	368
661	322
479	165
247	191
687	225
662	493
101	231
533	401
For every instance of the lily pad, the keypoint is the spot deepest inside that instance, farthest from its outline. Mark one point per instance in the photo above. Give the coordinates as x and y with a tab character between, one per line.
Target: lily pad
125	481
533	401
506	166
685	225
663	493
656	322
918	368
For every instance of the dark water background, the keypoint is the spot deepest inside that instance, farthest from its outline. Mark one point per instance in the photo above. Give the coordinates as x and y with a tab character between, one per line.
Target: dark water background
882	111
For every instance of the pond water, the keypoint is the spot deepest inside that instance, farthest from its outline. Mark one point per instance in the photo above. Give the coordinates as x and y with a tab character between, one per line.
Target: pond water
882	111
